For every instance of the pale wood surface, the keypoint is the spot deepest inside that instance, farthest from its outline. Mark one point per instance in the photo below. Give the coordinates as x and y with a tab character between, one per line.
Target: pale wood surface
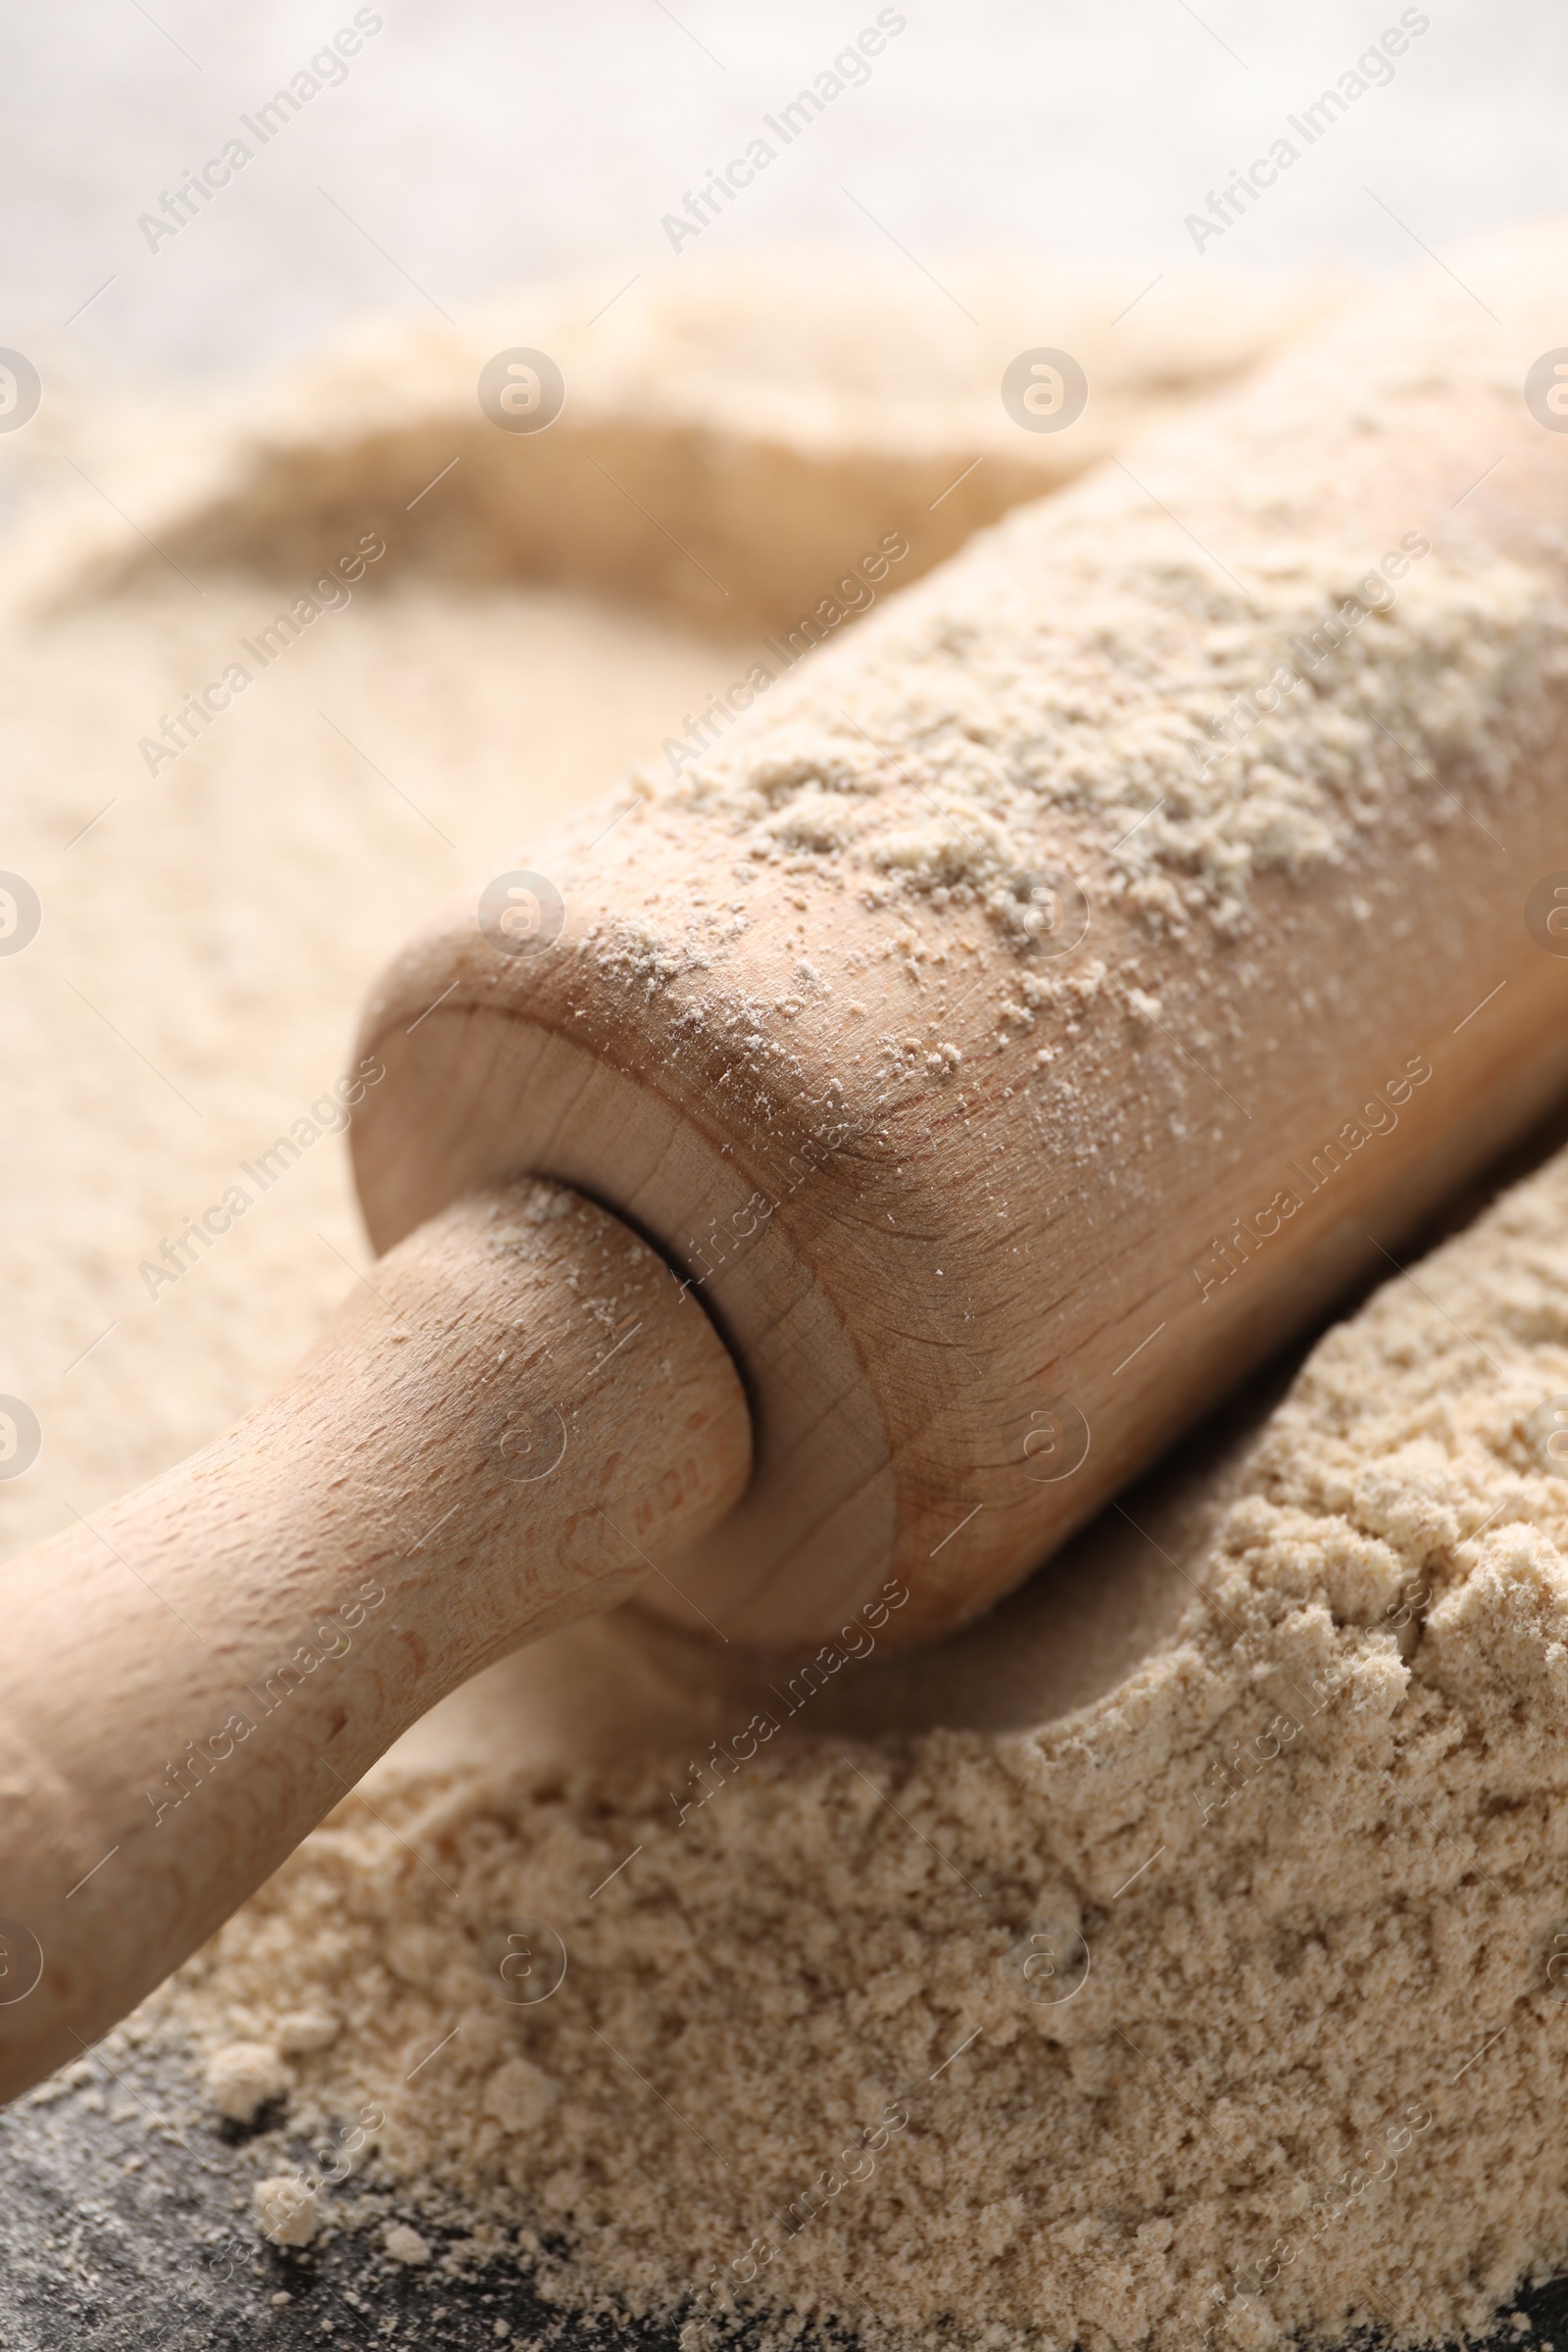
515	1422
921	1265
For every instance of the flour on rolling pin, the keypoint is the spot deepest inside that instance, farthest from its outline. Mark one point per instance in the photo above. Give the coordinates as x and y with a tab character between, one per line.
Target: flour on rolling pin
1068	981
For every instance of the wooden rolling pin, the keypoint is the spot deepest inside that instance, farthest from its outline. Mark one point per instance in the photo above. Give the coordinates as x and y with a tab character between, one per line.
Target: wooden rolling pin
961	1072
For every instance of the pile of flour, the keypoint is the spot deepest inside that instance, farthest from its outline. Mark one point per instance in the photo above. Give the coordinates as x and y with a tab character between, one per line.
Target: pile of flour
1171	1959
1214	2008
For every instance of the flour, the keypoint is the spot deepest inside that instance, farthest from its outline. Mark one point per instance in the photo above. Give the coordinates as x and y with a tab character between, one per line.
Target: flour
1187	696
1173	1958
1217	2002
731	441
244	2076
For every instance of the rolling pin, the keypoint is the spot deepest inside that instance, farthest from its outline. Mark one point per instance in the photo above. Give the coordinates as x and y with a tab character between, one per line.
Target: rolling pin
812	1184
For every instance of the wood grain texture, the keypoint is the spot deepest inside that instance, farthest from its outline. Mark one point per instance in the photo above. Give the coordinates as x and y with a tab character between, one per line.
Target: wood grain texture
989	1214
518	1419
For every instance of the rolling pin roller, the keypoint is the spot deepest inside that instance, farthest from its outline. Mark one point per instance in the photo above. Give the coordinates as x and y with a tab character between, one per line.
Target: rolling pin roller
1030	1014
1016	1030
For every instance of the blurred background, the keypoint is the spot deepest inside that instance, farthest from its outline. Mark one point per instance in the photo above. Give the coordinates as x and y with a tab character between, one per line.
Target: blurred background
469	148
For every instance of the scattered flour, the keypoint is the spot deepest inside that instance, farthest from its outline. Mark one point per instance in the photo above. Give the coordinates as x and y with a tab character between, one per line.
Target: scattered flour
287	2213
243	2077
405	2245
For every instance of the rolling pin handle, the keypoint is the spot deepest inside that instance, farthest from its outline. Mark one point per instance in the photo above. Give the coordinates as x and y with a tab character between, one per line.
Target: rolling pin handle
515	1420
